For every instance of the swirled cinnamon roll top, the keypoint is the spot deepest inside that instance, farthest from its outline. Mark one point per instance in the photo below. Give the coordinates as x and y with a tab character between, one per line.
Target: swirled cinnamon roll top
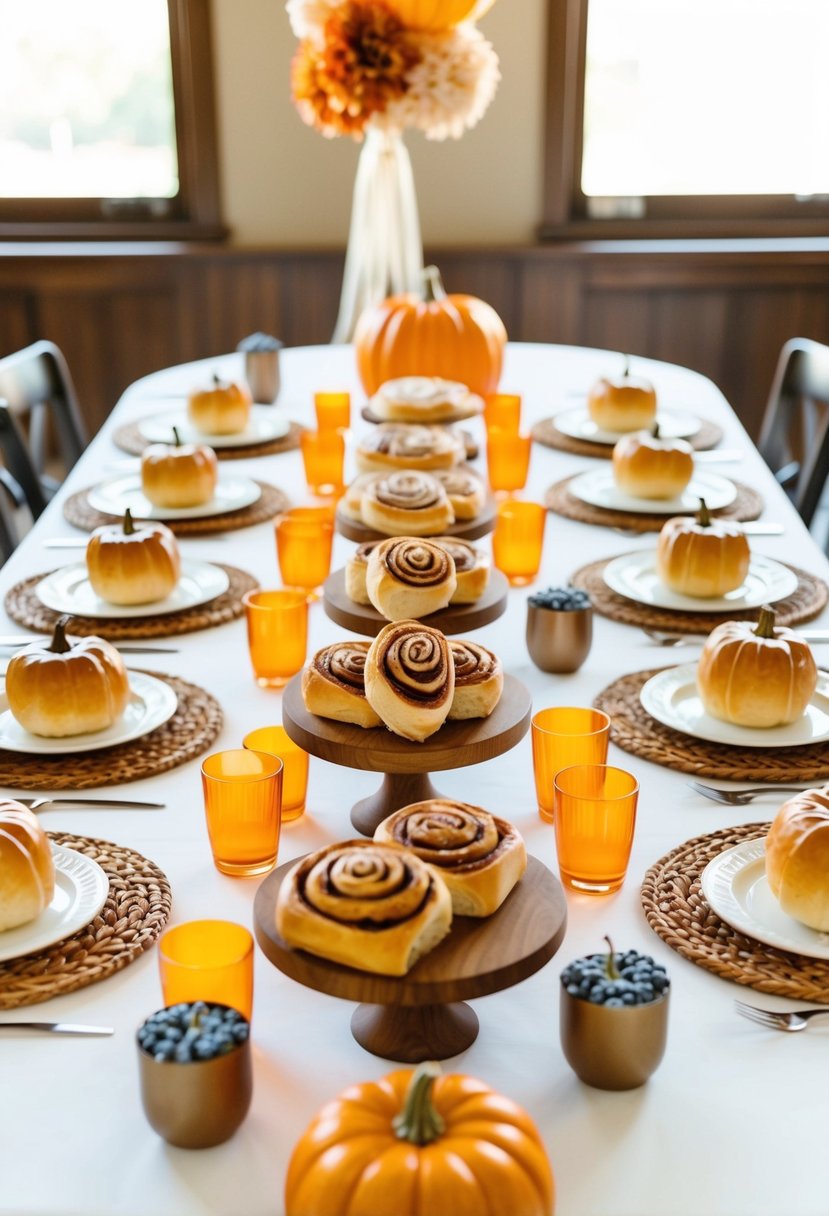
363	552
367	884
411	441
344	663
461	482
465	556
473	663
408	490
415	561
415	662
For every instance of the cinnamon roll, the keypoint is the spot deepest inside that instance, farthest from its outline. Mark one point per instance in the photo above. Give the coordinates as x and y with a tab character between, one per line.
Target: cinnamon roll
399	445
410	679
351	503
355	572
479	857
466	491
479	680
472	568
376	907
424	399
406	503
409	577
333	684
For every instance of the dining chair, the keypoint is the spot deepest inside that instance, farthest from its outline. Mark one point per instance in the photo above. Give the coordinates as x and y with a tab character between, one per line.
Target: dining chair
794	436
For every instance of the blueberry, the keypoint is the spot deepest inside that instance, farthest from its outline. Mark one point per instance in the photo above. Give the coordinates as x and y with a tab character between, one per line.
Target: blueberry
240	1032
616	979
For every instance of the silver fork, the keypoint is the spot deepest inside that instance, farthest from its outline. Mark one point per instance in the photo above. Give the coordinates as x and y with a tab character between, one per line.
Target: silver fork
741	797
37	804
798	1020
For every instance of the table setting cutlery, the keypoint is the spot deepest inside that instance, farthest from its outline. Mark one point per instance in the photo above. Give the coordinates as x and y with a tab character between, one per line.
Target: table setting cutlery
798	1019
13	642
741	797
43	800
723	456
59	1028
815	637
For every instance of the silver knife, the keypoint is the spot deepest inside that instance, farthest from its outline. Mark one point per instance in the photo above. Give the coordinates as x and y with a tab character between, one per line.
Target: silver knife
35	804
59	1027
13	641
756	528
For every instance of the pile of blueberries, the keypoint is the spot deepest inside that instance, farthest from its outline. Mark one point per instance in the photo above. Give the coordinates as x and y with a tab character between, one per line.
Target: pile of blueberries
560	599
615	980
193	1031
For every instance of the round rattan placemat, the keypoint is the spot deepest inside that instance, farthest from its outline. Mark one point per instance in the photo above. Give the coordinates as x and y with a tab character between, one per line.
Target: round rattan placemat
131	920
23	606
677	911
129	439
188	734
747	505
547	433
803	604
270	502
634	730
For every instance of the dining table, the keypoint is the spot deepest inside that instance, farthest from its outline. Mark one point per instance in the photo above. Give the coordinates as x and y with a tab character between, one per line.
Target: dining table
732	1121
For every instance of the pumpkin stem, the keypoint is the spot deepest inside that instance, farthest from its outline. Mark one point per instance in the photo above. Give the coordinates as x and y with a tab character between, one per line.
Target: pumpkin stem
655	431
765	625
176	437
610	967
626	367
217	380
419	1122
433	289
703	515
60	644
129	526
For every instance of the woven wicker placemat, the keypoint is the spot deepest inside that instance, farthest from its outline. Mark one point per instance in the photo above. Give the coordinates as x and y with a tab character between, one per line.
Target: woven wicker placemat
634	730
547	433
747	505
136	911
677	911
188	734
270	502
129	439
803	604
23	606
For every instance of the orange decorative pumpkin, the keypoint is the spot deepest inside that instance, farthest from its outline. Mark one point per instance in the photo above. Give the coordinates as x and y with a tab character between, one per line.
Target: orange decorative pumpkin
458	337
178	474
702	557
222	409
133	565
647	466
438	14
797	858
416	1143
27	866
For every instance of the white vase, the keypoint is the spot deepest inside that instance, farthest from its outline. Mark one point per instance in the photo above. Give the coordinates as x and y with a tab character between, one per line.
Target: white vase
385	251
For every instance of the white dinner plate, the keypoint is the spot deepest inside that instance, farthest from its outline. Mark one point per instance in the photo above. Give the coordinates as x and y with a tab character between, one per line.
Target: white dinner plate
577	423
69	590
634	575
151	704
81	889
265	424
737	889
671	697
598	487
233	492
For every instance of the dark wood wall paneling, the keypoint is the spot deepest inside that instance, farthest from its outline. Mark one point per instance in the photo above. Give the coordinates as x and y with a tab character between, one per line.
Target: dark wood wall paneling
119	314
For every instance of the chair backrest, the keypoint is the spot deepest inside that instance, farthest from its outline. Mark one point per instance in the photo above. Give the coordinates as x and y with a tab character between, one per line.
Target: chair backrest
794	437
20	479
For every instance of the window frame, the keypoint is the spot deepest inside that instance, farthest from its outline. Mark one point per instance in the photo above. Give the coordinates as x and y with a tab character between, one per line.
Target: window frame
194	213
565	213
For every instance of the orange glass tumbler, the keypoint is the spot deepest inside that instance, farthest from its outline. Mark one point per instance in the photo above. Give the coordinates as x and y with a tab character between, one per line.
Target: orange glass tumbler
594	815
503	410
323	455
277	634
242	802
207	960
276	741
518	540
507	459
563	736
304	537
333	411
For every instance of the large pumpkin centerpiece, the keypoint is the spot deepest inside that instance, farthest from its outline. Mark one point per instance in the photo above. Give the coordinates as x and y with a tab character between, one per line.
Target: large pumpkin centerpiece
701	556
416	1143
797	858
133	564
435	15
457	337
756	675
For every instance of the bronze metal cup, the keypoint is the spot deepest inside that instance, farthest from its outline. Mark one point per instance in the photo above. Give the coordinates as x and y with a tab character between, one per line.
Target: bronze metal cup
559	641
262	375
197	1104
615	1048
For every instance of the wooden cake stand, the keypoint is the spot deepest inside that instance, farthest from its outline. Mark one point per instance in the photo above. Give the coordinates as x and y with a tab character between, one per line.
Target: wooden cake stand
421	1016
406	765
455	618
465	529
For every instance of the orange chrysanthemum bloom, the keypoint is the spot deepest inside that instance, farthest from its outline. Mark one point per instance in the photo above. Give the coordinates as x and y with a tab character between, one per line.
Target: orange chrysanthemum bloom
358	70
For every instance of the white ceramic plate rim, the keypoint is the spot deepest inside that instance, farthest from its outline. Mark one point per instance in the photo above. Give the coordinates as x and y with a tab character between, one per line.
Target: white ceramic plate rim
724	883
78	880
266	424
598	488
69	590
768	581
661	692
233	492
151	704
577	423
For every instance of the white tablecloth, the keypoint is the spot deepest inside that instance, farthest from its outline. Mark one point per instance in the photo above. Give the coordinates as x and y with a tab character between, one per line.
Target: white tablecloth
733	1120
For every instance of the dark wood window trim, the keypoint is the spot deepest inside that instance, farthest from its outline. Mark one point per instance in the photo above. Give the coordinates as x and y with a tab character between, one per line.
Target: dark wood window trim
565	213
195	213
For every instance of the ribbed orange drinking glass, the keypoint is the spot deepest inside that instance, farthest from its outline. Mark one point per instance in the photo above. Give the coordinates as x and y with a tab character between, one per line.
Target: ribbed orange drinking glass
563	736
594	815
304	536
518	540
277	624
333	411
323	455
503	410
507	459
207	960
242	802
276	742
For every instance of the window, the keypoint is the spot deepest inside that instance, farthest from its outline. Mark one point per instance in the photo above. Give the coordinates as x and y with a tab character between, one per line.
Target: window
106	119
687	118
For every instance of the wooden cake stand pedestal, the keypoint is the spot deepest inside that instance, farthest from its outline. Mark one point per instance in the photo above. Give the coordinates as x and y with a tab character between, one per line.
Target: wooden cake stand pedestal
464	529
455	618
405	765
421	1016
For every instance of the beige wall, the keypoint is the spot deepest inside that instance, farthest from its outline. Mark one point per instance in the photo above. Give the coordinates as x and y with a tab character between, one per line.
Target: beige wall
284	184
